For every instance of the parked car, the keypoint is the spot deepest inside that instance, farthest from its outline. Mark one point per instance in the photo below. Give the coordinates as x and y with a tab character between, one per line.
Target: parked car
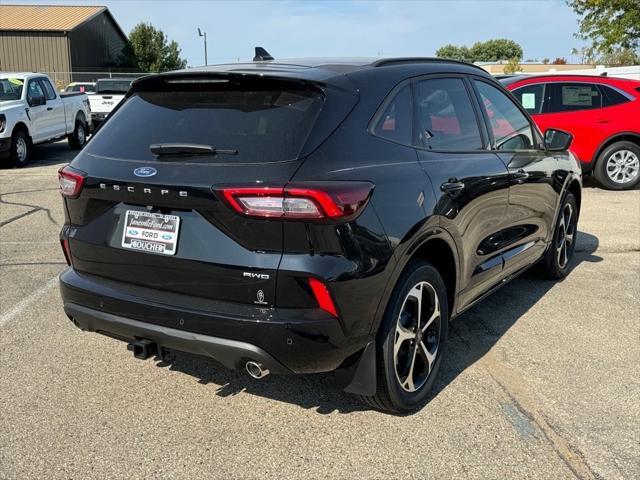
309	216
32	112
84	87
602	113
109	92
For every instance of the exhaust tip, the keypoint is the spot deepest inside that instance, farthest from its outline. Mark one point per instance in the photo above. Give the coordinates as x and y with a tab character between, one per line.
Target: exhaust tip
256	370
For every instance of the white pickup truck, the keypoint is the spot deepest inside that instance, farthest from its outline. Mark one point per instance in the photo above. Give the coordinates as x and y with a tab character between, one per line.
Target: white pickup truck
32	112
109	93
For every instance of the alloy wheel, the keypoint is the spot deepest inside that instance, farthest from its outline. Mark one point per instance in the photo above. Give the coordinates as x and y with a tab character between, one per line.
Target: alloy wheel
417	337
623	166
566	235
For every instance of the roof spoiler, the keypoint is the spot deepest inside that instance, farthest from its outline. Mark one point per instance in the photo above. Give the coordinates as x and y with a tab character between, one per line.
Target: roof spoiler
261	55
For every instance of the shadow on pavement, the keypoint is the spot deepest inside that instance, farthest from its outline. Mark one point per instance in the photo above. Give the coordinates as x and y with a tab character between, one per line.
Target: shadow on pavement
471	336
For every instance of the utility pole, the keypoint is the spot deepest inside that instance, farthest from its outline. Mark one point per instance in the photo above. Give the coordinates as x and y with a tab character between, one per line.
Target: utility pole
204	34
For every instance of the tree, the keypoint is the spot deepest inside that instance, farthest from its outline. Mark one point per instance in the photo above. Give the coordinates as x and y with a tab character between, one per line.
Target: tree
610	24
454	52
512	66
489	51
545	61
559	61
619	57
149	50
496	50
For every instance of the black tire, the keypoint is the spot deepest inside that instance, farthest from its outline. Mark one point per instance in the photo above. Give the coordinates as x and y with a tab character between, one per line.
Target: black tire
20	155
603	170
78	138
558	257
392	393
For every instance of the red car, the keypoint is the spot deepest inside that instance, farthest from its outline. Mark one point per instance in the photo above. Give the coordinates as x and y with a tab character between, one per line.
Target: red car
602	113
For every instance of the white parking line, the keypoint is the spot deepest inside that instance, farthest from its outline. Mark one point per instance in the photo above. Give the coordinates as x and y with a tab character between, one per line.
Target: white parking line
19	307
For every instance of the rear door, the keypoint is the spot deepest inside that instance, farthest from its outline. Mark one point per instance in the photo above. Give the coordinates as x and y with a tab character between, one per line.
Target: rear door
54	116
470	182
262	126
533	191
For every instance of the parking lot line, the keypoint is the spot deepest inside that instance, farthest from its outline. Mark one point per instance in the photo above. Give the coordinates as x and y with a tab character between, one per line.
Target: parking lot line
5	318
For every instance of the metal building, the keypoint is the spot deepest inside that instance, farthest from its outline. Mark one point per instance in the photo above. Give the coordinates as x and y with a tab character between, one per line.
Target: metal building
63	41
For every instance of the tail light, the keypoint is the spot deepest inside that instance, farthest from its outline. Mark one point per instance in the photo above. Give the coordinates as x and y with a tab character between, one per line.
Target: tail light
66	250
323	297
301	201
71	181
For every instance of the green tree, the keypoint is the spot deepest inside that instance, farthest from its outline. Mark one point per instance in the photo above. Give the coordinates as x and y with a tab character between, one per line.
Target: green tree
618	57
496	50
609	24
149	50
454	52
512	66
489	51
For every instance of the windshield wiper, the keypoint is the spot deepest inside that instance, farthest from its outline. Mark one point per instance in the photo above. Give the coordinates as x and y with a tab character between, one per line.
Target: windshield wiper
187	149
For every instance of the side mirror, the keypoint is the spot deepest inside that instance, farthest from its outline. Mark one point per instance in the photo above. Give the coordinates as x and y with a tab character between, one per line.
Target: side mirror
36	100
557	140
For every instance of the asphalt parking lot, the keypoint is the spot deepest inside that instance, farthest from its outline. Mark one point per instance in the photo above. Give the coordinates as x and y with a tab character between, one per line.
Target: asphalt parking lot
542	380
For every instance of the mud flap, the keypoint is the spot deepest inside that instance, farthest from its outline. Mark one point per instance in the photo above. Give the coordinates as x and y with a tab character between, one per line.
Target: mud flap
358	374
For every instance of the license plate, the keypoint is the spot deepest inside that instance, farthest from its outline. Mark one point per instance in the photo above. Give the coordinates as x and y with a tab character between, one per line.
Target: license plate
151	232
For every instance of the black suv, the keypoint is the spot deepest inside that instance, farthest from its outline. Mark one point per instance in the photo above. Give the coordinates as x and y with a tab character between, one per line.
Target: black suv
312	216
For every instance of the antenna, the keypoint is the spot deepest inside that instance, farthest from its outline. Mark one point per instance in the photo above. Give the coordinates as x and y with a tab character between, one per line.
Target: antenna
261	55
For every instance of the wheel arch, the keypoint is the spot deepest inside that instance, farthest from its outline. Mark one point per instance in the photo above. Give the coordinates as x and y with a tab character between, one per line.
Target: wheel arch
575	189
633	137
22	126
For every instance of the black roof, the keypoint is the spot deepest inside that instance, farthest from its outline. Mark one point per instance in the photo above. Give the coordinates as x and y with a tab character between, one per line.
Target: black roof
324	68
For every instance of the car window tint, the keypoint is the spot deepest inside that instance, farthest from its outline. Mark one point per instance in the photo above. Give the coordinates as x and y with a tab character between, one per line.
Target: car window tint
611	96
48	89
445	119
570	97
531	97
511	128
395	123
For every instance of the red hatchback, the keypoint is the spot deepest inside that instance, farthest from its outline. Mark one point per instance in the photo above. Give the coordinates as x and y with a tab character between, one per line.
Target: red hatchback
602	113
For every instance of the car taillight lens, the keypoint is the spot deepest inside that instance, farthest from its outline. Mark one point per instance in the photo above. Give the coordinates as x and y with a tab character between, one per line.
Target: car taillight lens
323	297
301	201
66	250
71	181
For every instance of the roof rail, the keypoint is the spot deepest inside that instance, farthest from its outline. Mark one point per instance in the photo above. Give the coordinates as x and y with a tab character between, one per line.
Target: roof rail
400	60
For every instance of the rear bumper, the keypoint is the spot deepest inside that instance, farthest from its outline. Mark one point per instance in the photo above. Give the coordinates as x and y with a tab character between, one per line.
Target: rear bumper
284	340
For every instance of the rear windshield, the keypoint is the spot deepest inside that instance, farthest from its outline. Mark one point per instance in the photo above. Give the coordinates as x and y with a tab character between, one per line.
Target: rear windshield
85	87
113	86
261	125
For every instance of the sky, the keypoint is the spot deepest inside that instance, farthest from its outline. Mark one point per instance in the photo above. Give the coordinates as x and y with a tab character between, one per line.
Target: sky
297	28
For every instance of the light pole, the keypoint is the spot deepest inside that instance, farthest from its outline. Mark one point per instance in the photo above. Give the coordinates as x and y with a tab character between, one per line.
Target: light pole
204	34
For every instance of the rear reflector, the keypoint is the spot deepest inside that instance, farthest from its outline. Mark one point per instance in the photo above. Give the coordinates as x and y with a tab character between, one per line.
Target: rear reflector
66	250
323	297
302	201
71	181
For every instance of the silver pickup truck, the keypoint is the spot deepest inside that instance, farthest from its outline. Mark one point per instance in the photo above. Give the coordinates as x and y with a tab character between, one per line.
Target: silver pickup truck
32	112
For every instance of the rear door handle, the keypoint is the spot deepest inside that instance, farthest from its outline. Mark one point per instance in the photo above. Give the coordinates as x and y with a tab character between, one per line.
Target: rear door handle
453	187
520	176
49	109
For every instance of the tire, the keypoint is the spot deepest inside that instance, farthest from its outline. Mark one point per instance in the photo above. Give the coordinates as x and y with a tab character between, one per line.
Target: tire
618	166
558	257
403	389
20	155
78	138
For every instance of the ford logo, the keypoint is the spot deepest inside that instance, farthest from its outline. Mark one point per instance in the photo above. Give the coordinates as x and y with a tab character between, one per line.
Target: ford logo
145	172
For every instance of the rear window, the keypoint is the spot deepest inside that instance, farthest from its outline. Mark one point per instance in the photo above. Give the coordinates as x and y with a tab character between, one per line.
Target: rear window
113	86
612	96
261	125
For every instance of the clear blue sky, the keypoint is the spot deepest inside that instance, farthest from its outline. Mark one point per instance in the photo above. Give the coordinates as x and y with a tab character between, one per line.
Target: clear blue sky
295	28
